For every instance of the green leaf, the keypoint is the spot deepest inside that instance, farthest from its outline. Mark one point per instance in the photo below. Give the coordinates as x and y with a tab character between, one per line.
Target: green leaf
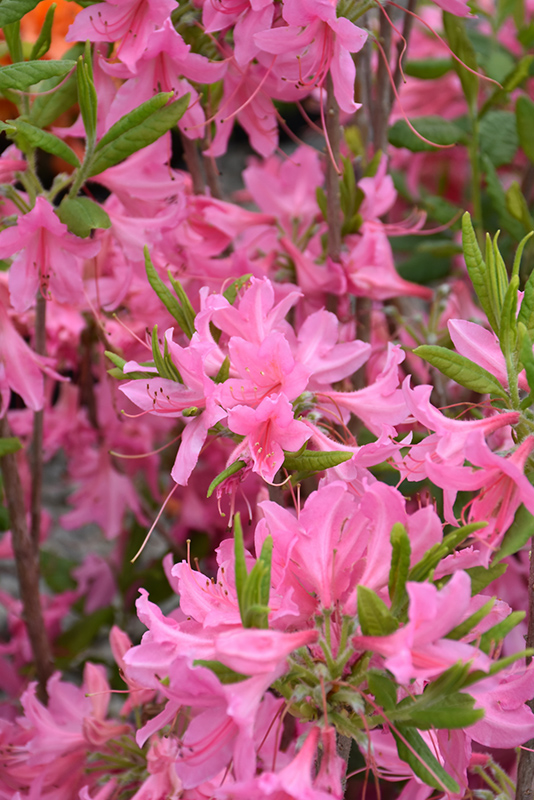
514	78
224	673
240	566
482	577
44	140
165	295
400	566
164	365
187	309
472	621
82	216
315	460
461	370
450	711
517	535
26	74
383	689
226	473
424	568
56	571
497	196
373	614
13	10
526	357
78	637
231	292
49	105
119	364
87	98
435	129
134	118
322	202
224	371
147	132
428	68
517	205
496	634
44	40
9	445
498	136
524	113
526	312
477	269
413	750
508	326
462	47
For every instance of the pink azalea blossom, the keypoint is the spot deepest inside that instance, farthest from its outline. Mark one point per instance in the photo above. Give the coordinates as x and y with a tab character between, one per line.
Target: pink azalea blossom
269	430
48	258
419	649
129	22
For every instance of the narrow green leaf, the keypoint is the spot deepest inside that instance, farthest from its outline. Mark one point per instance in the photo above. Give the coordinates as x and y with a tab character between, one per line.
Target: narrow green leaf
517	205
477	269
224	371
240	566
435	129
517	535
519	253
524	112
461	369
165	295
526	312
496	634
134	118
82	216
165	367
462	47
224	673
27	73
44	40
87	98
482	577
226	473
44	140
451	711
413	750
497	196
373	614
49	105
526	357
322	202
472	621
9	444
266	557
428	68
400	566
425	567
13	10
147	132
231	292
315	460
498	136
187	309
508	326
119	364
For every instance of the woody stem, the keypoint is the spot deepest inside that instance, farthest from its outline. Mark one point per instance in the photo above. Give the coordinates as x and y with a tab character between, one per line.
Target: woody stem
333	195
27	565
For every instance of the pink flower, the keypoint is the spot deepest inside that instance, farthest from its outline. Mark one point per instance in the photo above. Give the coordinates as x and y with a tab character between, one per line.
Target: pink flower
129	22
48	257
419	649
269	429
316	41
21	370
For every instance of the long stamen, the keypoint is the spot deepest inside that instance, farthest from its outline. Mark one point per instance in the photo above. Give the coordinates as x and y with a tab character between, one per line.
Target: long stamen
147	537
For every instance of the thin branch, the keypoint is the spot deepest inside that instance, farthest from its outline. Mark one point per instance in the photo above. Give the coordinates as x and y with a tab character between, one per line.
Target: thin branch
333	132
382	101
27	564
192	159
36	451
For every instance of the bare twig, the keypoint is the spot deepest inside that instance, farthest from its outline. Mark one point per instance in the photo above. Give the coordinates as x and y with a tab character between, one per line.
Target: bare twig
333	131
403	43
36	452
192	159
382	100
212	176
27	563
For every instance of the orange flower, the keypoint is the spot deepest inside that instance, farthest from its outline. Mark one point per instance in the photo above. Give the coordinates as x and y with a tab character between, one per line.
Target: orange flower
31	24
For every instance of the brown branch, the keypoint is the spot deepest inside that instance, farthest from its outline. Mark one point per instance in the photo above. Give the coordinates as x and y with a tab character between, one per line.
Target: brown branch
382	101
192	159
333	131
406	32
36	449
27	564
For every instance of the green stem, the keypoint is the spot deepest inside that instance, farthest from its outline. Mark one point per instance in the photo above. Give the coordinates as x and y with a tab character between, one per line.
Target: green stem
476	197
